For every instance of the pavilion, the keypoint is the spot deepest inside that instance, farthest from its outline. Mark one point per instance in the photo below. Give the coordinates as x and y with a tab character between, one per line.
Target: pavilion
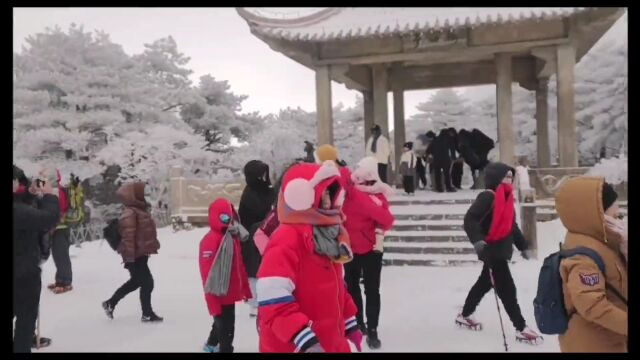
377	50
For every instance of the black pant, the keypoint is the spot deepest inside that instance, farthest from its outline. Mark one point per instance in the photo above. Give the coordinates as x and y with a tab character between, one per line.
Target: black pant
140	278
60	251
456	174
370	266
382	172
422	176
223	329
505	288
440	169
26	300
408	183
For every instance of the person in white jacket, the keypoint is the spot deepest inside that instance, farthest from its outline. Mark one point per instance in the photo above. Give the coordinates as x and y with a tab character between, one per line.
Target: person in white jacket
378	147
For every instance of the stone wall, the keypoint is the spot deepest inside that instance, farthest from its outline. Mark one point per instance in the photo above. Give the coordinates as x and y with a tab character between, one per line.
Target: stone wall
189	199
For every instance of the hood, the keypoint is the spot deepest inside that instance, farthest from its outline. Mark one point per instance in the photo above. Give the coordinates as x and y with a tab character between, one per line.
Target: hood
254	170
494	173
579	206
367	170
132	194
218	207
302	188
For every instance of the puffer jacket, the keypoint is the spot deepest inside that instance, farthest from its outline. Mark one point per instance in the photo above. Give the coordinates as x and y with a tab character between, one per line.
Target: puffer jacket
477	220
209	246
302	296
364	217
136	226
599	318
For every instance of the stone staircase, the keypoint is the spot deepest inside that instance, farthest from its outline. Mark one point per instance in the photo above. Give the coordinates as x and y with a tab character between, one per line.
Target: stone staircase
428	230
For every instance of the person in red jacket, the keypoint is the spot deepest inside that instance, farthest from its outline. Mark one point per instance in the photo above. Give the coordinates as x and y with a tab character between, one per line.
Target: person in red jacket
303	303
368	217
224	277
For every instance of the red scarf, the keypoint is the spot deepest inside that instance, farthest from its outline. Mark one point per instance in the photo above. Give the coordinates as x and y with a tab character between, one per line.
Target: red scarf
503	214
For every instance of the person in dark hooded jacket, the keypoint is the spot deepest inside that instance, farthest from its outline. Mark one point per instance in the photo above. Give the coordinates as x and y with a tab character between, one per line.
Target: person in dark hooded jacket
441	150
255	204
491	227
29	223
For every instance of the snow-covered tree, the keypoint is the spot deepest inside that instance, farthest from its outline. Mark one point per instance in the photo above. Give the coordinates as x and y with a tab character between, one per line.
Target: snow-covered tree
444	109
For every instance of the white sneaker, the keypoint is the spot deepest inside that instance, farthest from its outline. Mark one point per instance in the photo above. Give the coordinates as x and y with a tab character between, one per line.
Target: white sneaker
253	312
529	336
469	322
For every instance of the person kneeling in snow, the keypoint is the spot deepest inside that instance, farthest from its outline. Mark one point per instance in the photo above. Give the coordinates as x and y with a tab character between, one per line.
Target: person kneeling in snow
491	227
223	273
303	303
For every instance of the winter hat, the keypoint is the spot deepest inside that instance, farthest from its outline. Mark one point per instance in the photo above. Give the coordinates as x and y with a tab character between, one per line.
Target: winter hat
409	145
609	196
367	170
327	152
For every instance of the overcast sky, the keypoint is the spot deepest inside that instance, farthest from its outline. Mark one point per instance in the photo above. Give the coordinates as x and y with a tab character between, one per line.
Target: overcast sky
219	42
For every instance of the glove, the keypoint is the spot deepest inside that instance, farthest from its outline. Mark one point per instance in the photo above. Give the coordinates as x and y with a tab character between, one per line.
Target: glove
315	348
355	336
479	247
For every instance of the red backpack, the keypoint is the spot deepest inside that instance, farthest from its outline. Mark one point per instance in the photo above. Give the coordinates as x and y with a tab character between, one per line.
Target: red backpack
268	226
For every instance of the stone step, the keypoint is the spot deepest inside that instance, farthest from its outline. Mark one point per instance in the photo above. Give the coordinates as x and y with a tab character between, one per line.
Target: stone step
419	217
430	202
428	250
425	239
420	262
424	227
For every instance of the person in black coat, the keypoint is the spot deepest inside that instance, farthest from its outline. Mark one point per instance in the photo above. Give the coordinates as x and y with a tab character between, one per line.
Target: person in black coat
481	144
494	252
255	203
441	149
29	225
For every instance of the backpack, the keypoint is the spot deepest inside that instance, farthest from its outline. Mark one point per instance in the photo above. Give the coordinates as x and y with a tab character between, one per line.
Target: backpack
112	234
268	226
75	211
548	305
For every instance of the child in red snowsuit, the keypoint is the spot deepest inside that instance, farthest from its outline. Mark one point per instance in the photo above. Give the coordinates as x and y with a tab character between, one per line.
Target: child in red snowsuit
224	223
303	302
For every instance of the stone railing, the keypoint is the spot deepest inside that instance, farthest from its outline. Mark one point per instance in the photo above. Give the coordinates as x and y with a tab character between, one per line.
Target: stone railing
190	198
546	181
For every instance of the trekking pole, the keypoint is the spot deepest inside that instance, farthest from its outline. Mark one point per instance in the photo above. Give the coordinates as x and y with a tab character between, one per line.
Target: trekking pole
493	284
38	330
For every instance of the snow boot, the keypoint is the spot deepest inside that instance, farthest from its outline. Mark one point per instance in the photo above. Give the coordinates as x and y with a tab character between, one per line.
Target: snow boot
372	339
211	349
44	342
153	317
61	289
468	322
529	336
108	309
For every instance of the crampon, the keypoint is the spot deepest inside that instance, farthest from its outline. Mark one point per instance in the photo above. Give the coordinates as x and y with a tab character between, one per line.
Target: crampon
468	322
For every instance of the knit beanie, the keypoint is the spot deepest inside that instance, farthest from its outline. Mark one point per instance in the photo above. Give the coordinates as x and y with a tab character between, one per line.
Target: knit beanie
609	196
327	152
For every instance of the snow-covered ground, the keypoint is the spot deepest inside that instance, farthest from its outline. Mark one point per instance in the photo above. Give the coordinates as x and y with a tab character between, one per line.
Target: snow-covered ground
419	304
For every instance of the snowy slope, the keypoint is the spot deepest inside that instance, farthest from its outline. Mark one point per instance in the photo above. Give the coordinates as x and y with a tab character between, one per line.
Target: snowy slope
418	307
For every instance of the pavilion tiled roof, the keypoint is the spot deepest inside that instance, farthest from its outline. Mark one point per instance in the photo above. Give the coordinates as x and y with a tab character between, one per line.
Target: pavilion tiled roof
350	23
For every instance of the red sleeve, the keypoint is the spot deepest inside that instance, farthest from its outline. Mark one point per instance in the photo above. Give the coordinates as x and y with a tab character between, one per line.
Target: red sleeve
277	278
380	214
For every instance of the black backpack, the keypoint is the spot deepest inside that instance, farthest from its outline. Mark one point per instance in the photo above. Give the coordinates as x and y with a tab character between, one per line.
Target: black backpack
112	234
548	306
